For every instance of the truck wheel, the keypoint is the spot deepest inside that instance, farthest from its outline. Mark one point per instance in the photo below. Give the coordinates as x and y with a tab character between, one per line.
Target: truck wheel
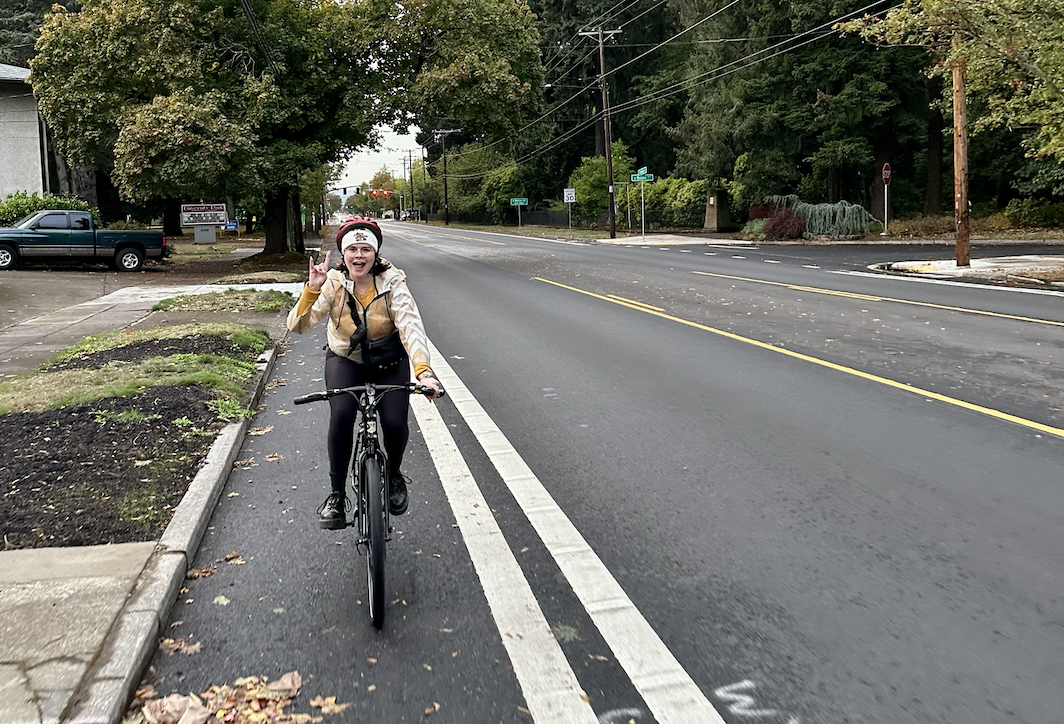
8	257
129	259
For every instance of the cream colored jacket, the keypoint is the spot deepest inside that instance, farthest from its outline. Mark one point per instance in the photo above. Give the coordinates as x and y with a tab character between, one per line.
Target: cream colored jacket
392	308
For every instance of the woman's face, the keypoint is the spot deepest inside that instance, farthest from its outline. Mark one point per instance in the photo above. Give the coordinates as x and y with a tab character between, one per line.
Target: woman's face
359	259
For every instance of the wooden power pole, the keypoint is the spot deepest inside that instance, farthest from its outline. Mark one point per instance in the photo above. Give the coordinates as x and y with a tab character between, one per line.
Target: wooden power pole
607	132
960	162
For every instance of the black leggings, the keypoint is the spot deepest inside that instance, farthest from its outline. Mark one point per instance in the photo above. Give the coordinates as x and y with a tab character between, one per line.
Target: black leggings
342	372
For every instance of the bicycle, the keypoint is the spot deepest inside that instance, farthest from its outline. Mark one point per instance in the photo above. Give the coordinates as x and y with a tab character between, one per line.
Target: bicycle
369	467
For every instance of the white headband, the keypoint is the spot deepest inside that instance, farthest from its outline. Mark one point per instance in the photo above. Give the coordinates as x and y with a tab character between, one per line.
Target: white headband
359	236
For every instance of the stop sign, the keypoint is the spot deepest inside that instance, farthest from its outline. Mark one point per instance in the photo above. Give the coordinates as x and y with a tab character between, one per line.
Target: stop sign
886	173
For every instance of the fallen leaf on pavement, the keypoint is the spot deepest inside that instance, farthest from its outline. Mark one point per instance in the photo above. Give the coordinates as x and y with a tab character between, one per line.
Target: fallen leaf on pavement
371	661
260	430
284	412
189	649
597	657
247	463
194	573
233	494
142	463
432	709
221	600
328	705
288	685
274	457
176	708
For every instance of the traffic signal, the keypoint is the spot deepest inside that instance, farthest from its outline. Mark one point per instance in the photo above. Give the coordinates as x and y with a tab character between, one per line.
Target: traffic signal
387	193
374	193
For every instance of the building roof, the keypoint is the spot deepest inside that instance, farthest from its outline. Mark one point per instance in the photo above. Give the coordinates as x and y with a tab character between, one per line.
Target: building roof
14	72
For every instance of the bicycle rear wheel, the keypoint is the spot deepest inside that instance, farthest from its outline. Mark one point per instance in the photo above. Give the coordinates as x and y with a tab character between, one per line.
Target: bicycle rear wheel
373	490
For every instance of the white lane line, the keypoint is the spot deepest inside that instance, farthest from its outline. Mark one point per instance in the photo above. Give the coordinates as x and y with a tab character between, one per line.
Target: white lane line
947	282
669	692
547	681
736	256
770	261
810	266
710	253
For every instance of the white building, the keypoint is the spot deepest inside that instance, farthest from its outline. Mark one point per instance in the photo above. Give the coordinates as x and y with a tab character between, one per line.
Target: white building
23	140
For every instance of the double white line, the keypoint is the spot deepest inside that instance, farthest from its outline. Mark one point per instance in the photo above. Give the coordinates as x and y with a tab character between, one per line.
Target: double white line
548	683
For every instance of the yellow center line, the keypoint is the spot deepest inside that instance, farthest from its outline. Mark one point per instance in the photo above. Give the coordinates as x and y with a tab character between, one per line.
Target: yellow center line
641	304
868	298
989	412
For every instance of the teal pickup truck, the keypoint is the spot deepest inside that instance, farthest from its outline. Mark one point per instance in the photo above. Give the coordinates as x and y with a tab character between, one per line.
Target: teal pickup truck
55	234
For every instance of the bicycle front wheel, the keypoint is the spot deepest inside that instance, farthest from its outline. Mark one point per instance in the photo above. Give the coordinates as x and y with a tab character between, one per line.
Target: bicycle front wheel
373	490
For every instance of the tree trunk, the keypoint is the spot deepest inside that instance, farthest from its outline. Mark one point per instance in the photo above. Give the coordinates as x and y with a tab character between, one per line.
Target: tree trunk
172	217
277	220
297	224
935	125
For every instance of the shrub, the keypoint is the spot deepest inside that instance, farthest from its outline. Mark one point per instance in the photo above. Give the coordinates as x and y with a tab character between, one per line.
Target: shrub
784	224
834	220
754	230
19	204
124	225
1027	213
760	212
923	227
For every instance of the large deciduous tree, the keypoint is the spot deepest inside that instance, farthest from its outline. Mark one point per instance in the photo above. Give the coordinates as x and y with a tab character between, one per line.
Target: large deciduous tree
1013	51
199	98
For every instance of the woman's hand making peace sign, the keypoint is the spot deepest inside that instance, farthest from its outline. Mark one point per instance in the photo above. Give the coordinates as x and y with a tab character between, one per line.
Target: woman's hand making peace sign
318	272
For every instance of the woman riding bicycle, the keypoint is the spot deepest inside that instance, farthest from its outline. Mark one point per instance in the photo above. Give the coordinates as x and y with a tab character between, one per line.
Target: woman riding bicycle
374	331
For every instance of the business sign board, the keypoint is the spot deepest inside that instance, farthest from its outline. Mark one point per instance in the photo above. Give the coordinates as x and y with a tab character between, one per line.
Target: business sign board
204	215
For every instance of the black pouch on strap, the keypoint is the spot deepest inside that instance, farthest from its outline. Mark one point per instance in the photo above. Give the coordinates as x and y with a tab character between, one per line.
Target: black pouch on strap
384	353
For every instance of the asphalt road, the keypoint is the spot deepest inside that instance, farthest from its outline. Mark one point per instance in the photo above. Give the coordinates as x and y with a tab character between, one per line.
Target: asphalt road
824	496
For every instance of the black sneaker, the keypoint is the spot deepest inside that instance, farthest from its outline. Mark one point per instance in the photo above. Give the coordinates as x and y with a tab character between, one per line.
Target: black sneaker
398	500
331	514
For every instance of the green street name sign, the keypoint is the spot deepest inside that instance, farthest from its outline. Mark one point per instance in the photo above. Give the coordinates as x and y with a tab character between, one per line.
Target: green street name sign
642	176
518	202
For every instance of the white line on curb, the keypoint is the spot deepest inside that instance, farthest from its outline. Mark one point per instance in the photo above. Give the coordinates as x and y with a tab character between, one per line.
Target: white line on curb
669	692
548	683
947	282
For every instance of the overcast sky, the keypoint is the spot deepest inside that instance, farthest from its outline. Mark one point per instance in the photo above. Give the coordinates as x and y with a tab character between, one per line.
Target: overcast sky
360	168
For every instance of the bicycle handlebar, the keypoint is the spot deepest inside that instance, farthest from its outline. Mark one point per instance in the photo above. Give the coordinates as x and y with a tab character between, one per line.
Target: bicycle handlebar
358	389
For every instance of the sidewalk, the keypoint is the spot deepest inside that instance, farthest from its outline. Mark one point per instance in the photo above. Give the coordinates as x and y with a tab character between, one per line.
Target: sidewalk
78	625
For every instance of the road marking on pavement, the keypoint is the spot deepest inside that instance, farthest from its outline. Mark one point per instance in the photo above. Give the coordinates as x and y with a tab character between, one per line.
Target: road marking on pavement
989	412
669	692
446	236
947	282
641	304
810	266
876	298
548	683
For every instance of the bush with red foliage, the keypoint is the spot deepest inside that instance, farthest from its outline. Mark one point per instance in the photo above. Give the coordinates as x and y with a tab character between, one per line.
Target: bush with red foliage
784	224
759	212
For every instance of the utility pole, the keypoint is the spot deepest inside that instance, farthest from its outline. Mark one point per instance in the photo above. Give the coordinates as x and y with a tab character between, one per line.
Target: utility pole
402	199
602	34
443	139
960	160
413	199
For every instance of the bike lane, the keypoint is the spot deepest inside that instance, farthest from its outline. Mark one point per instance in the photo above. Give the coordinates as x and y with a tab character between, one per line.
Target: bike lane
293	597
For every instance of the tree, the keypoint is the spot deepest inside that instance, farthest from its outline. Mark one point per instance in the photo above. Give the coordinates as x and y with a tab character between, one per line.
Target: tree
201	98
19	21
1013	51
818	120
589	179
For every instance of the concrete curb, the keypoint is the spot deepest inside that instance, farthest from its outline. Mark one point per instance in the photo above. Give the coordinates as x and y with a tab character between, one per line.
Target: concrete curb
127	650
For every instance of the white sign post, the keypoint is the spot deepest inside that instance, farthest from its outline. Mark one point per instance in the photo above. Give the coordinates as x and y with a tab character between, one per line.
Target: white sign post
643	177
518	203
886	186
205	219
570	199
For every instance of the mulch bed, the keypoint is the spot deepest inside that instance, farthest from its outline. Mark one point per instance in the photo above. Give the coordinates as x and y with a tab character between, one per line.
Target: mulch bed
82	475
